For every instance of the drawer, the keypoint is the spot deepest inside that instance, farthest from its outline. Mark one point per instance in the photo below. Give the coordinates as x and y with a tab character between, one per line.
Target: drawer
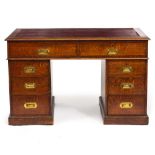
126	105
41	49
30	105
126	85
126	67
113	49
29	68
30	86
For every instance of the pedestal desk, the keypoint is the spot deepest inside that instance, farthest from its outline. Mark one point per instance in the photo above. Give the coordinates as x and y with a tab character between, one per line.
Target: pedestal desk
123	97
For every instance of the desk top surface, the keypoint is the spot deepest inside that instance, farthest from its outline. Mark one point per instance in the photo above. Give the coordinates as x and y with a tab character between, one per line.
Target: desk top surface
77	34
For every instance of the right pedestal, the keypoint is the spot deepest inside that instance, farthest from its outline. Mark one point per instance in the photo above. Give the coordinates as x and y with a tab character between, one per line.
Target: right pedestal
124	91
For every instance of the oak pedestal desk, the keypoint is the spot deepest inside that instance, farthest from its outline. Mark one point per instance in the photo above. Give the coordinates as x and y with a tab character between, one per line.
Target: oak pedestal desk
123	97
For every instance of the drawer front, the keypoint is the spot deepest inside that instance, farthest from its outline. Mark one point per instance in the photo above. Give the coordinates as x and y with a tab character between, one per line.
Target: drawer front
126	67
30	86
29	68
126	85
30	105
42	49
113	49
126	105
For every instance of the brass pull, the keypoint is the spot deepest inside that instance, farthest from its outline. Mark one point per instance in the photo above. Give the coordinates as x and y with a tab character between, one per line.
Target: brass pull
127	69
30	105
30	85
126	105
112	51
127	85
43	51
29	69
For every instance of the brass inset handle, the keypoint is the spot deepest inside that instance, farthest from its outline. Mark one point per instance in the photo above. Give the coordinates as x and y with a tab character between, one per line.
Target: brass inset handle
127	85
43	52
30	85
126	105
112	51
30	105
127	69
29	69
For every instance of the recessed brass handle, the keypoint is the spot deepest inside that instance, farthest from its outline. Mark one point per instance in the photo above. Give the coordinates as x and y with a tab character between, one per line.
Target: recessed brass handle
30	105
43	52
127	69
29	69
126	105
127	85
30	85
112	51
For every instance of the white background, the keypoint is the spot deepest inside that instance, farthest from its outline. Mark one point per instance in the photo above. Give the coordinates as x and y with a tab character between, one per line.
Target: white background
78	127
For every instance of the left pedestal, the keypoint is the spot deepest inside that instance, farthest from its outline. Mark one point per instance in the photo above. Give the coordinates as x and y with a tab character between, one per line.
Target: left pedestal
30	92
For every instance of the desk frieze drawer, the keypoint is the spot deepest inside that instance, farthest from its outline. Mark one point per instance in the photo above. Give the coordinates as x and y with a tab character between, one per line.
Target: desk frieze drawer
29	68
126	67
42	49
113	49
30	105
126	85
30	86
126	105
